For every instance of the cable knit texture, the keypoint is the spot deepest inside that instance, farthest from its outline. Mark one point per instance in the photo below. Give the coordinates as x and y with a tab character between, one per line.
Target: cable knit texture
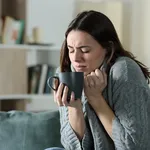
128	95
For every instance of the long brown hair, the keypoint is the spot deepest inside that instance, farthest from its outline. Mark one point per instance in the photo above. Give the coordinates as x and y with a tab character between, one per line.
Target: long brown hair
102	30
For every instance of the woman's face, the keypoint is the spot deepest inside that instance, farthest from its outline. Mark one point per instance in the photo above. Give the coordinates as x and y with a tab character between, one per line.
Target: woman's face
85	53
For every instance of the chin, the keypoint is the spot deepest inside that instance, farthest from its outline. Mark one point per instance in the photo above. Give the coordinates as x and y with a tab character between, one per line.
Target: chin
86	73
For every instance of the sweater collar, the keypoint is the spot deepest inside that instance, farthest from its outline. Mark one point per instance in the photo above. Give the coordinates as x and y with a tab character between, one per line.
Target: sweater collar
72	68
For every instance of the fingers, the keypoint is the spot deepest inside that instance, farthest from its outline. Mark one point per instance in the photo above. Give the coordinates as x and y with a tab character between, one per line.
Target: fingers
58	94
72	98
61	95
99	74
102	76
64	97
56	83
95	78
105	76
91	80
85	82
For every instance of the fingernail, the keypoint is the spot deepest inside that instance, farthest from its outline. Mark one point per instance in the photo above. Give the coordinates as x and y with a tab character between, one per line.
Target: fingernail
72	95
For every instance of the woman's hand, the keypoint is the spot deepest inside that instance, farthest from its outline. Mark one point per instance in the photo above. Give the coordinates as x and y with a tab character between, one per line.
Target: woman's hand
75	113
60	96
94	84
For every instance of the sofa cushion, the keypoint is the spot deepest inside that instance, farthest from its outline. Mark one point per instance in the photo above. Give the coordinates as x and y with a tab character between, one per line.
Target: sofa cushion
29	131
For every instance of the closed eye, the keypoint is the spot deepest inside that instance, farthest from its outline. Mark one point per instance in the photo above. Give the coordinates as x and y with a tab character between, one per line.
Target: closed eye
85	50
71	50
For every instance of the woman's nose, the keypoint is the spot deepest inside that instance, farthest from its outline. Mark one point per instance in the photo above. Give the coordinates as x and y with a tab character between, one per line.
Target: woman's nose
77	56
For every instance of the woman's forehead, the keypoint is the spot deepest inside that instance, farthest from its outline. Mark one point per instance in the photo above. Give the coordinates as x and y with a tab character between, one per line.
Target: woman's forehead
79	38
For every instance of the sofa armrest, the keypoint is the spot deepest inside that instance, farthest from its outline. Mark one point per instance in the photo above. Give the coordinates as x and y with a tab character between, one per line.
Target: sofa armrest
29	131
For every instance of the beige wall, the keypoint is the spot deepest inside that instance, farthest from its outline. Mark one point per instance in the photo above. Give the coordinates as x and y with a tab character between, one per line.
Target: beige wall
119	13
141	30
126	26
132	22
113	10
146	28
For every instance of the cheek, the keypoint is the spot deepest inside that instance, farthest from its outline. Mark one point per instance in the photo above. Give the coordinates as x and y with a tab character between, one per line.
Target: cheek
70	57
94	58
94	61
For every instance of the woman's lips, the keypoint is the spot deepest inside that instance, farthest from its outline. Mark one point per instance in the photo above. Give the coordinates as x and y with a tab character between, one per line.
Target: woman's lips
80	68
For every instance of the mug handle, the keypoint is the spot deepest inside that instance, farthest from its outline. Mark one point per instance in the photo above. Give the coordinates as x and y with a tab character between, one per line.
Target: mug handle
49	82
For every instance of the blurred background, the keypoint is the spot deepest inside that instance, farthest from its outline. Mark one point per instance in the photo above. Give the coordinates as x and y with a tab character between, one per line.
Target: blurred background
31	35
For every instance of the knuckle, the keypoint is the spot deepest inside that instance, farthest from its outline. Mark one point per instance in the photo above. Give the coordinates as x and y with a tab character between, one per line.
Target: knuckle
97	83
102	82
66	89
92	83
58	97
92	73
64	101
88	75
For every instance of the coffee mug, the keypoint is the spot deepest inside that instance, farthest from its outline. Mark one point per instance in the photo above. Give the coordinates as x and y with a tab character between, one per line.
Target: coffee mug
73	80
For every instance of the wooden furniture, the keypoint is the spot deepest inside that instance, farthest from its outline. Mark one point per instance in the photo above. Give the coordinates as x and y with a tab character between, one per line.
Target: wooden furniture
14	61
13	77
15	97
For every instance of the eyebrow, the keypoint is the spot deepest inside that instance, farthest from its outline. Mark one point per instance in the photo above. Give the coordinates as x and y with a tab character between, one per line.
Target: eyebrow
85	46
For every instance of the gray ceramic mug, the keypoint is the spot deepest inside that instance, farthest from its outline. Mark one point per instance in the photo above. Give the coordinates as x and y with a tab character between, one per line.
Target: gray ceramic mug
73	80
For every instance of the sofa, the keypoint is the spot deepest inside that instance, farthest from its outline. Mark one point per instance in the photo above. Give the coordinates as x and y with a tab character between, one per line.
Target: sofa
29	130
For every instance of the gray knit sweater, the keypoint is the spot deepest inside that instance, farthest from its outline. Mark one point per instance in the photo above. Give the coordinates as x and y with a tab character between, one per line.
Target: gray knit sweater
128	95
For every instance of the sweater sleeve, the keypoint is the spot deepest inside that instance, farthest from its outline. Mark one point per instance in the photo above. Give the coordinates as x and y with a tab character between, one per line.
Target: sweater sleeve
68	137
130	129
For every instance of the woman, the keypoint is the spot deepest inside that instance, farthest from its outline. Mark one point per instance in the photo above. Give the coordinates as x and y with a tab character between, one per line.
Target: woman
114	110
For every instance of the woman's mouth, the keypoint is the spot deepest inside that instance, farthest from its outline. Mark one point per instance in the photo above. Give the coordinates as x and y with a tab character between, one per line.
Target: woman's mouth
80	68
